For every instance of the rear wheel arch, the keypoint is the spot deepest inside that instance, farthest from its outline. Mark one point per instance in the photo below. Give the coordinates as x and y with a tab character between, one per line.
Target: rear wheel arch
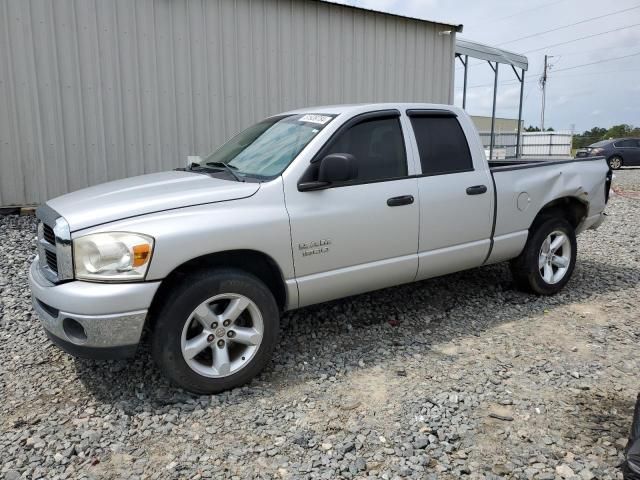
551	248
253	262
571	209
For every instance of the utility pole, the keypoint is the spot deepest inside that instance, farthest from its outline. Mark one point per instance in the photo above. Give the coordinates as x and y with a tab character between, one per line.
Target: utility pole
543	84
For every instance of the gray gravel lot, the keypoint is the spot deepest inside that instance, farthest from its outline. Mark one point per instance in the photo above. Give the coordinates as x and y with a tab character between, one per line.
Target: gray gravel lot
456	376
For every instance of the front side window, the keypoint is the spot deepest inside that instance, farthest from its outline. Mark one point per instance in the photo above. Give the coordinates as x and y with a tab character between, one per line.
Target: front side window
442	145
625	144
265	149
378	147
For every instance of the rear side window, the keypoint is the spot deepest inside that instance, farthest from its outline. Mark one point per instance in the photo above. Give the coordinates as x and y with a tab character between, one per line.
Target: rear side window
378	146
442	145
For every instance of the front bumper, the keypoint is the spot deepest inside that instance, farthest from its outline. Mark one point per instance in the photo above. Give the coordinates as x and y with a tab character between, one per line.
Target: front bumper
94	320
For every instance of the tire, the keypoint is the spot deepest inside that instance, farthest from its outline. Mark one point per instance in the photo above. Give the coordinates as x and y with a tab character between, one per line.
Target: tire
530	270
615	162
211	298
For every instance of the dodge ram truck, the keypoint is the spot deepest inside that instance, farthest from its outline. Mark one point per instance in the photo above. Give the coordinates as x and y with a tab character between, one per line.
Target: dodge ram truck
301	208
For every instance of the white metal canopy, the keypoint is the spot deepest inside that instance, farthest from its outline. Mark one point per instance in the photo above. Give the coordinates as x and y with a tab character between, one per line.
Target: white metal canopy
494	57
491	54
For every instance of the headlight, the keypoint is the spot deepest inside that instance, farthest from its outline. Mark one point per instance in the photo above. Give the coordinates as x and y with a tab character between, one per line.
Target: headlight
116	256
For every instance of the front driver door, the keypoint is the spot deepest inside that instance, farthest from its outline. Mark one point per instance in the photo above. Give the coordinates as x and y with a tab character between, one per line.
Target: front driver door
361	235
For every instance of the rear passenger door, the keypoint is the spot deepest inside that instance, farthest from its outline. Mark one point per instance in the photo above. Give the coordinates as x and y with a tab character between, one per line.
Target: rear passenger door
634	153
629	151
456	195
359	235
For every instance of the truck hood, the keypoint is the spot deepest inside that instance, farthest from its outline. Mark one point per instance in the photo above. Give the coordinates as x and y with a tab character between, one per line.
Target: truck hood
151	193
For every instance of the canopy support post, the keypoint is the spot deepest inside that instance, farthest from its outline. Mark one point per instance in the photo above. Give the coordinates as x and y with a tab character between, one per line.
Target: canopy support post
493	111
521	80
465	63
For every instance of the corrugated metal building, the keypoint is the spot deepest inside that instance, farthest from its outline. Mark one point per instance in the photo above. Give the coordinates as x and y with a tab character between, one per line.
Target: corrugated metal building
95	90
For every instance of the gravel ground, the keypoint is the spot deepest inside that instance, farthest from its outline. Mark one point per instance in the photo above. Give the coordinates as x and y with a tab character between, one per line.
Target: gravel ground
450	377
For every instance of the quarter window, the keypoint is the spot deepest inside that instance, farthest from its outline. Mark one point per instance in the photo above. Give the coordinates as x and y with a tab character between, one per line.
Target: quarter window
442	145
378	147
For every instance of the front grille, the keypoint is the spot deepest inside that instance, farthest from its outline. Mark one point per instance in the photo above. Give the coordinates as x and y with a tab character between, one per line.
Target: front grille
49	236
52	260
54	245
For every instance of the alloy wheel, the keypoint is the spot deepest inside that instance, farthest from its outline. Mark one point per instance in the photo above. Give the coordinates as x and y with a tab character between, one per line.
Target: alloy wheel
555	257
615	163
222	335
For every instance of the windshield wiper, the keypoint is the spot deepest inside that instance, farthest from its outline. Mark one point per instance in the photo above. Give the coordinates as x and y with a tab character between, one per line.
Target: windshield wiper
228	168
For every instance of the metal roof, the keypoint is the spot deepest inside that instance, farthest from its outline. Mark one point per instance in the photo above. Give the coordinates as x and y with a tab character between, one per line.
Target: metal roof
456	27
492	54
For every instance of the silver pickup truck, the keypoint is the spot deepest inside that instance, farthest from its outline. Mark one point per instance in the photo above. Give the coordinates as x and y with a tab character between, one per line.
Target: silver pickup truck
301	208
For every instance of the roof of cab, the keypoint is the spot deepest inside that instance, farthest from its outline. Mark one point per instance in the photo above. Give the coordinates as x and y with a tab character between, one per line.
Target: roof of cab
356	108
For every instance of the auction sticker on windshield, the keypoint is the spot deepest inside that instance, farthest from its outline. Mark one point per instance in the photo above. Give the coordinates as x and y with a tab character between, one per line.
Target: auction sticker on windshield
319	119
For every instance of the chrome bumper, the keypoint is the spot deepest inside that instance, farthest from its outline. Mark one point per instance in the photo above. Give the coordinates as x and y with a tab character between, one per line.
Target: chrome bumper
90	317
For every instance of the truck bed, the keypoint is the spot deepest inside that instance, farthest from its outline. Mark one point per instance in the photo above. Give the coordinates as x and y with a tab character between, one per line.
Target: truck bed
520	195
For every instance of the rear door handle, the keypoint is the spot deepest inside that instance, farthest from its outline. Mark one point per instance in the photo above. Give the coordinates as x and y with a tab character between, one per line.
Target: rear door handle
403	200
476	190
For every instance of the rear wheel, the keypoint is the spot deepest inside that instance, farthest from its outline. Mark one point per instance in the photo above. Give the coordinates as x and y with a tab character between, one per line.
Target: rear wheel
216	331
548	259
615	162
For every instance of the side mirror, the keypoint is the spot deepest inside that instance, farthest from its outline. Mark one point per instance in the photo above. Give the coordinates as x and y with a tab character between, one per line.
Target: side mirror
193	159
335	167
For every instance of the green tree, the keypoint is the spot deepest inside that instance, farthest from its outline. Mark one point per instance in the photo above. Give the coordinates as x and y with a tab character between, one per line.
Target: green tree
617	131
588	137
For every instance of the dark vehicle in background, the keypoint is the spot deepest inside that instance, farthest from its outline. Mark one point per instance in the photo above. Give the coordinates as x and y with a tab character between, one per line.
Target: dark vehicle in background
620	152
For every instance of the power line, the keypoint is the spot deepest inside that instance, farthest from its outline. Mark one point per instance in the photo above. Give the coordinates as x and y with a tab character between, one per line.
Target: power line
582	38
558	70
597	62
570	25
521	12
575	53
533	80
567	42
607	72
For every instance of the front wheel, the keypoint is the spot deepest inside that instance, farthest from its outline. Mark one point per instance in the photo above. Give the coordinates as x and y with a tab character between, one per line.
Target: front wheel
216	331
615	162
548	259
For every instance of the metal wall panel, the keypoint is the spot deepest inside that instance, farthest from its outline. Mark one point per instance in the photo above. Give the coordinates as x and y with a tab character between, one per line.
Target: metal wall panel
95	90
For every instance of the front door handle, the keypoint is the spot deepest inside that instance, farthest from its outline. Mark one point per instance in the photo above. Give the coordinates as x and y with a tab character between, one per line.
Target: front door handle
476	190
403	200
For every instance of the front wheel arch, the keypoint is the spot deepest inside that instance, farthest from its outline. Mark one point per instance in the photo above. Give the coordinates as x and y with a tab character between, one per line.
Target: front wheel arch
177	359
253	262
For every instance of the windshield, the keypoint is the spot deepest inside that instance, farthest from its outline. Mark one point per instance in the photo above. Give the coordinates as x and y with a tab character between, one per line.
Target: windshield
600	144
268	147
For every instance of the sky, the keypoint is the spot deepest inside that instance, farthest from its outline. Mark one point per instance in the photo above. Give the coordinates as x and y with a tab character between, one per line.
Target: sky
604	94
